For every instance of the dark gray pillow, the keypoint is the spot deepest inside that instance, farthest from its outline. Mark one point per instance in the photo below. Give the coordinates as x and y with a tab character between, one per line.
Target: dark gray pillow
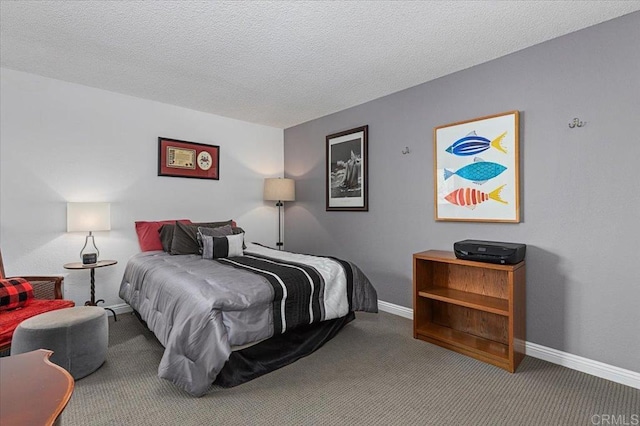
166	236
220	231
185	236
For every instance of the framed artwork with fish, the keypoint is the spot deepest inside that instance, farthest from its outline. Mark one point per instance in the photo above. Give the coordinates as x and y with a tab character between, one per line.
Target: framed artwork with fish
347	180
477	169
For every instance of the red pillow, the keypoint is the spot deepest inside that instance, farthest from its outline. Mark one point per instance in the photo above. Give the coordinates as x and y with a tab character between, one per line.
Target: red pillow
15	293
149	233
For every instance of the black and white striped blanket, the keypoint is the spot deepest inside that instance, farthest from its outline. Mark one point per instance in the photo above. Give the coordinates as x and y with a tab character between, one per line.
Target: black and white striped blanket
299	288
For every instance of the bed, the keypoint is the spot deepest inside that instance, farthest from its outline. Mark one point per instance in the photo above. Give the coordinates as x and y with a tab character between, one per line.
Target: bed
202	309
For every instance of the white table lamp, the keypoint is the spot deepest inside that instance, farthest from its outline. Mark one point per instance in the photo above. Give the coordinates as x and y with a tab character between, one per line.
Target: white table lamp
89	217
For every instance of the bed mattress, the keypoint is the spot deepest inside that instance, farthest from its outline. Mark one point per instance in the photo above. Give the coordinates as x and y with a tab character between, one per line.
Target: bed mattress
199	309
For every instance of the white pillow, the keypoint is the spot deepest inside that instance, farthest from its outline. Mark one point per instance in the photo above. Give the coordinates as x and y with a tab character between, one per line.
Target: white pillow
235	245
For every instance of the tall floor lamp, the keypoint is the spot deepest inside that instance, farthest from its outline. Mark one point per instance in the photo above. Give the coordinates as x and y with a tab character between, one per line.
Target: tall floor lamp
279	189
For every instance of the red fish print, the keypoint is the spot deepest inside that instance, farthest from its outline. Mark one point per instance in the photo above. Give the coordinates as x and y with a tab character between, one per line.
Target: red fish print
471	197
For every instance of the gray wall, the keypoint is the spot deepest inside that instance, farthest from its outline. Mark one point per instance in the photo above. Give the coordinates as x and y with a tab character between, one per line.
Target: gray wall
580	197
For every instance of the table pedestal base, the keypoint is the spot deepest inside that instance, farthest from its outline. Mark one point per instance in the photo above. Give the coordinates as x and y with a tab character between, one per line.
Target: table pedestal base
89	303
92	268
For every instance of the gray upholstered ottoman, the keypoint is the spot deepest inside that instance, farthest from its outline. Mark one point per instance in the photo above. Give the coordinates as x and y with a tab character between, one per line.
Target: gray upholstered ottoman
77	336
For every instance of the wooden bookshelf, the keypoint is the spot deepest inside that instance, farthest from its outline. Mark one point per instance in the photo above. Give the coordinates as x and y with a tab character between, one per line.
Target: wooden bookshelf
474	308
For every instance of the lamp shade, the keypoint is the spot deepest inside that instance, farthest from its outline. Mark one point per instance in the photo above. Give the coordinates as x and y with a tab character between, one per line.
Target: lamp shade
88	217
279	189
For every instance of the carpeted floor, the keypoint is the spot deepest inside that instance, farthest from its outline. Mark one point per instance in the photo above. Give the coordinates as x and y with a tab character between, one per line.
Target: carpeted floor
372	373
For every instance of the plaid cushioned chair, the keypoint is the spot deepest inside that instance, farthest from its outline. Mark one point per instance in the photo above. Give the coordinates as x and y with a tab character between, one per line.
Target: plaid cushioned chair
47	292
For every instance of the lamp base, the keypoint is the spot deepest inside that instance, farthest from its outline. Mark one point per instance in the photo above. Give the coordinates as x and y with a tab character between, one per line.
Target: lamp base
89	259
279	244
89	253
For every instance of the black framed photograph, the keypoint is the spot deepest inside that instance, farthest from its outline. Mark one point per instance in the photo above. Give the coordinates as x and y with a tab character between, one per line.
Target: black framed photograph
347	168
188	159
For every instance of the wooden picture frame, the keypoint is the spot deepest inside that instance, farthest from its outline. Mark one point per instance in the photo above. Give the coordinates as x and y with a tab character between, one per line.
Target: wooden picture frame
178	158
477	169
347	170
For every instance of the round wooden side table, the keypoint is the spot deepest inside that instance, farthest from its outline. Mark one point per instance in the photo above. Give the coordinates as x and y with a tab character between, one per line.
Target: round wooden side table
92	267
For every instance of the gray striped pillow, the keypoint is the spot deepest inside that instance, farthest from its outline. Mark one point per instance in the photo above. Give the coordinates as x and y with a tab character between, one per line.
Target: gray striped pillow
218	247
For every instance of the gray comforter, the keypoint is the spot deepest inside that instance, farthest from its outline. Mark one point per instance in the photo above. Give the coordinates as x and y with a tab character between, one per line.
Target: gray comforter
199	309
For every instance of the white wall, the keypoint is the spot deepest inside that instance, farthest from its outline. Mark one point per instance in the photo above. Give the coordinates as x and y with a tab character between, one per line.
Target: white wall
64	142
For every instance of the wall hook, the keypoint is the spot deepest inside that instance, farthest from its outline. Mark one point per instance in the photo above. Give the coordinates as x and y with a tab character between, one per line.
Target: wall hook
577	123
406	151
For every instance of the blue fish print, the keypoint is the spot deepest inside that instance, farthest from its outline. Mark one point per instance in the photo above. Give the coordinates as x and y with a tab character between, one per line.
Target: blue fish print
478	172
473	144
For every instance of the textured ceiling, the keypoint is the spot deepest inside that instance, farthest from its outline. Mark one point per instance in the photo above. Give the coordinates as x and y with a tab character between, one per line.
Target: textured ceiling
276	63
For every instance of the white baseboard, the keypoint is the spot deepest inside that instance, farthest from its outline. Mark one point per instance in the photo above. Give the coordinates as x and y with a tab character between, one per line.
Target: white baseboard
585	365
120	308
401	311
574	362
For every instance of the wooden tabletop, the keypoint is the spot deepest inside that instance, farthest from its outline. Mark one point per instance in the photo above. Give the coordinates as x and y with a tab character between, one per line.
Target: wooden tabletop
34	390
80	265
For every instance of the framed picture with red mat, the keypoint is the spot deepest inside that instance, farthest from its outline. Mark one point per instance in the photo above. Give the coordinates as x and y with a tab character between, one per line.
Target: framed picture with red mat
188	159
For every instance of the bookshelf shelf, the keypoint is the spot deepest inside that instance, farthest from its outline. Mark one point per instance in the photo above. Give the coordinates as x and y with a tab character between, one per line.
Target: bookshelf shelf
474	308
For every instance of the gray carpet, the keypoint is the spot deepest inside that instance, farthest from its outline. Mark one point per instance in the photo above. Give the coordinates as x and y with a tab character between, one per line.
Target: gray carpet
373	372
